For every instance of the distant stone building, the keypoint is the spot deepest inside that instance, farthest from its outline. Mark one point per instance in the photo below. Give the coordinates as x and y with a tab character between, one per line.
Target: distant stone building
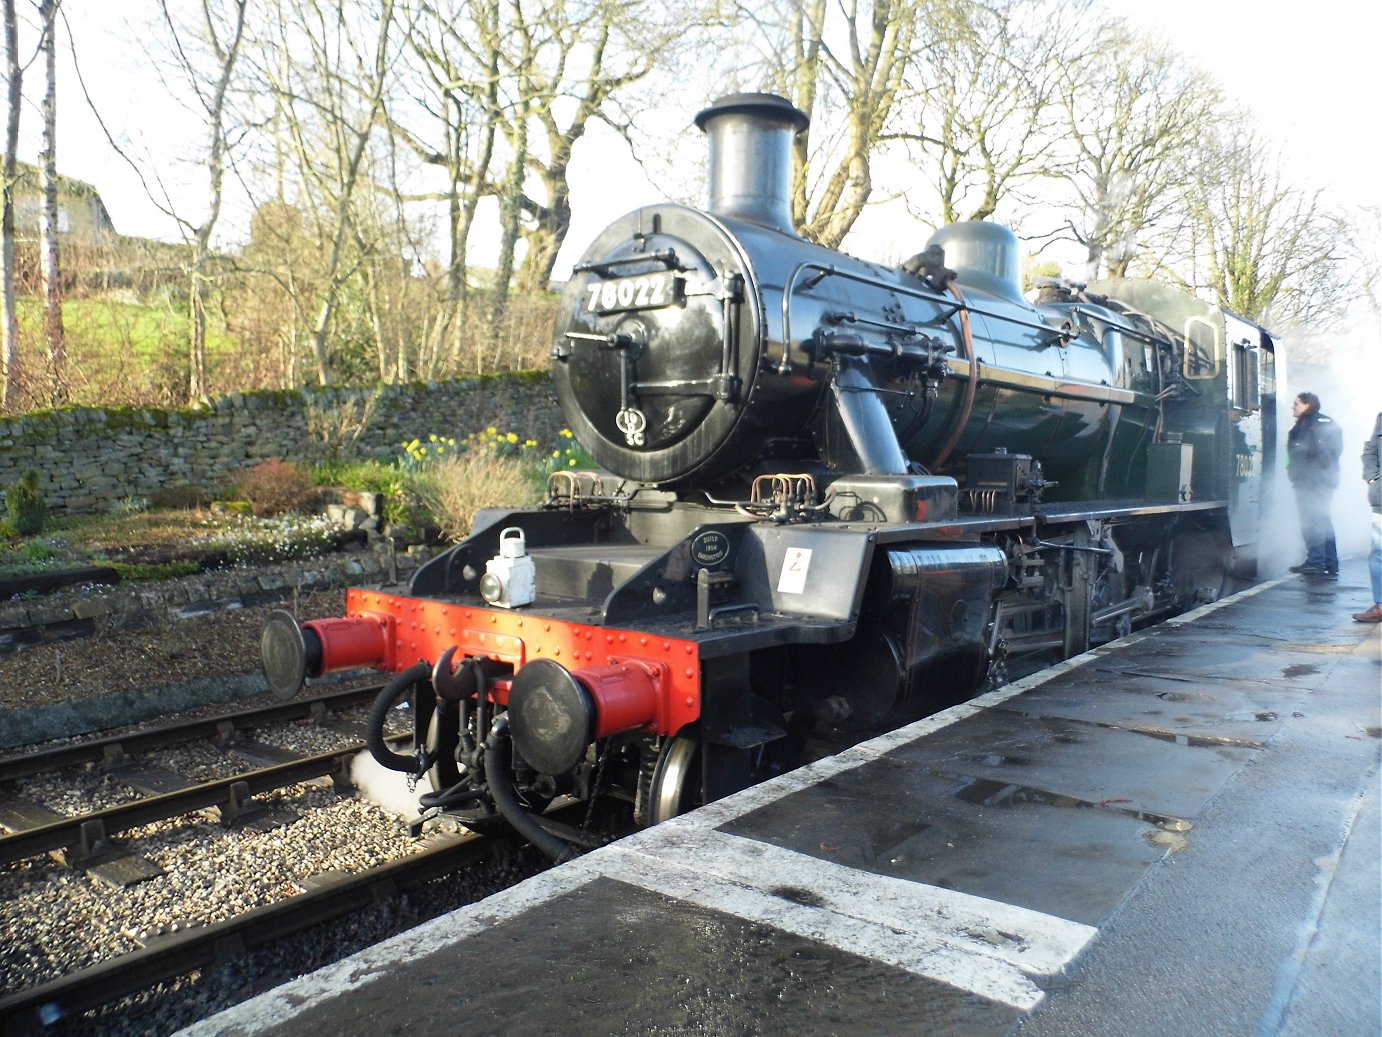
81	213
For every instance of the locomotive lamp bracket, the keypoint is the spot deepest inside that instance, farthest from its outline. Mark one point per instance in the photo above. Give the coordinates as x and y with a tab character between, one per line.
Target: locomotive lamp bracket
630	342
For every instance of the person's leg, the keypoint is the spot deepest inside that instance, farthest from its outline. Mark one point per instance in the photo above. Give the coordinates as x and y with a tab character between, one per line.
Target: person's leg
1375	558
1331	547
1311	529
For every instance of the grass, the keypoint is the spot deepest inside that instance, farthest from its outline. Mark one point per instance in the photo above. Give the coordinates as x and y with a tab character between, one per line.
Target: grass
141	349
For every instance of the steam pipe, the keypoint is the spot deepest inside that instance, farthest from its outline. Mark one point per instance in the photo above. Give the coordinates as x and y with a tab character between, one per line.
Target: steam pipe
379	712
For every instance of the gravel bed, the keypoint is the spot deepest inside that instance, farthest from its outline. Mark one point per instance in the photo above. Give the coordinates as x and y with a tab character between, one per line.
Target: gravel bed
57	919
214	647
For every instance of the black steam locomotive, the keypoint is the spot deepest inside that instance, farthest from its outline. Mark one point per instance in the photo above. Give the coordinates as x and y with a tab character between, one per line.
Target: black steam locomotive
835	497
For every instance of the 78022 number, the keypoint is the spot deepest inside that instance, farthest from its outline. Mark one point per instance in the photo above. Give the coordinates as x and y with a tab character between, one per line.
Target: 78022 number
643	292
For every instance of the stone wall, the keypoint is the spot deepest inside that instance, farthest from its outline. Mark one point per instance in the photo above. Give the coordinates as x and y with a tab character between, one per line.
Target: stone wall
91	459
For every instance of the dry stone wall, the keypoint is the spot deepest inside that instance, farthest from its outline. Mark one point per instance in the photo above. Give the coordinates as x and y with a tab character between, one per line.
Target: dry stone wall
92	459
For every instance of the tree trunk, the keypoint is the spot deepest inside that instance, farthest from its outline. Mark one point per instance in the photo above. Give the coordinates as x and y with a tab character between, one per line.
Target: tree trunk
196	354
12	377
52	268
510	210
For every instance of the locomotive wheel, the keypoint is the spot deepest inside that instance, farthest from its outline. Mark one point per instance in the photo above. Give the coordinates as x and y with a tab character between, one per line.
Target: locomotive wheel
676	781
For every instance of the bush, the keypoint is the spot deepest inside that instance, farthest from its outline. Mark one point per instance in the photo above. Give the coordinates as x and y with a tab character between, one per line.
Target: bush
458	486
371	477
24	501
275	486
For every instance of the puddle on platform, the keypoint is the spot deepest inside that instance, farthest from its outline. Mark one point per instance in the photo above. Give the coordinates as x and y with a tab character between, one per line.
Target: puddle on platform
1180	696
988	793
1299	670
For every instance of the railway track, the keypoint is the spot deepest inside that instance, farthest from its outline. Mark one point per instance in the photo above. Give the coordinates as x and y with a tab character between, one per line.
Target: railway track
38	1008
222	726
142	959
87	838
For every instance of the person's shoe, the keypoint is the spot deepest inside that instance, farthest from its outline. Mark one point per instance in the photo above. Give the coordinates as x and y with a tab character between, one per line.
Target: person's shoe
1307	569
1372	615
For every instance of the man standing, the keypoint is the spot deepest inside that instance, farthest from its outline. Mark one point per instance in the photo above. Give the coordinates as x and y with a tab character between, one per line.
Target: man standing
1371	451
1313	447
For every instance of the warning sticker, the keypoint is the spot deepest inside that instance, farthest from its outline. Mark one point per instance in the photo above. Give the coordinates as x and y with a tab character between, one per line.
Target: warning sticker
795	565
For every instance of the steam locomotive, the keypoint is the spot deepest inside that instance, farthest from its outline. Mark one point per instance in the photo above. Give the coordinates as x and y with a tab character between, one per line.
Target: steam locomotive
833	497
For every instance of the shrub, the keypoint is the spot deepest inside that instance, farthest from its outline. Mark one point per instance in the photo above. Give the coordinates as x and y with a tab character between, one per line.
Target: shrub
24	501
372	477
276	486
458	486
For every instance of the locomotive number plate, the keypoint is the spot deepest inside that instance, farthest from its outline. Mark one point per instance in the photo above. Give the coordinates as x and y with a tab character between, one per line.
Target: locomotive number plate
641	292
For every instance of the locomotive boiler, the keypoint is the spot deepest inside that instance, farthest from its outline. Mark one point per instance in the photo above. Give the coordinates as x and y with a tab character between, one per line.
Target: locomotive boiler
834	496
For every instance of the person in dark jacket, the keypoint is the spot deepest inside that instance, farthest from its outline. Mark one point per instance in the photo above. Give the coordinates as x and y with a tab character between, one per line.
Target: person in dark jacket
1313	447
1372	475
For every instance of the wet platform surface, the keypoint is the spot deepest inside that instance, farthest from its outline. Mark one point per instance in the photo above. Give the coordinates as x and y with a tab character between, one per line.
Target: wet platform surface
1177	833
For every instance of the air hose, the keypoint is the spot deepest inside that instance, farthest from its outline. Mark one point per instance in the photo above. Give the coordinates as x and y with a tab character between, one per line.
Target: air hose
498	753
379	713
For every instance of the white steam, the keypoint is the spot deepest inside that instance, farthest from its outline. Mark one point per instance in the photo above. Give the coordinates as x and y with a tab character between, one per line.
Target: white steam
385	788
1349	385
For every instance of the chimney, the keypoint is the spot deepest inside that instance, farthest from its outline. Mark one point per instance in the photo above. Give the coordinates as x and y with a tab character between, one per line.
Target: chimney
751	157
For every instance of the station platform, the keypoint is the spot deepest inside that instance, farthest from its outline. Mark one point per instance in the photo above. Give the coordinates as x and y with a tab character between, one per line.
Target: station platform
1176	833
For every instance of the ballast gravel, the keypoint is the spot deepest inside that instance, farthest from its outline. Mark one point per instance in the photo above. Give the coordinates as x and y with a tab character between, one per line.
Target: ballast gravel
56	919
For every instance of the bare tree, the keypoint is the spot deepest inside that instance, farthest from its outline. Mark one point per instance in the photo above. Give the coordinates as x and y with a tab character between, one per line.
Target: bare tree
1263	246
54	334
277	276
844	63
456	46
868	73
511	211
206	56
985	118
566	66
1133	111
12	376
328	106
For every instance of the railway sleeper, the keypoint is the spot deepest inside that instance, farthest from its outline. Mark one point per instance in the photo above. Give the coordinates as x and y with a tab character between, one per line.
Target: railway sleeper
105	860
